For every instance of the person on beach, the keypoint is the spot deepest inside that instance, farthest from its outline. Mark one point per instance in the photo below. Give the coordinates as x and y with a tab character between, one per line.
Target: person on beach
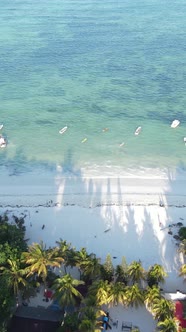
43	226
106	319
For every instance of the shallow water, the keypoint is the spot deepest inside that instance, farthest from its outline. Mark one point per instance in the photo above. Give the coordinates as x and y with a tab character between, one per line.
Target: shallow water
93	65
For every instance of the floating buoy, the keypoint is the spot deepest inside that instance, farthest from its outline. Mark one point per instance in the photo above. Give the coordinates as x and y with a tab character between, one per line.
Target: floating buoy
105	129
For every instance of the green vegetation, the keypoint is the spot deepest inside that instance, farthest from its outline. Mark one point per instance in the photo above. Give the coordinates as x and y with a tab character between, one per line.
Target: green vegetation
39	259
182	233
168	325
65	290
12	243
23	268
155	275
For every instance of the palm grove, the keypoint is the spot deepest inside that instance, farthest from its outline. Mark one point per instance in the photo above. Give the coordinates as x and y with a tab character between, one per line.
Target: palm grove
23	268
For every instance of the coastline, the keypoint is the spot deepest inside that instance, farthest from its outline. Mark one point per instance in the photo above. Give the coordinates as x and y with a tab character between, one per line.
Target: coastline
120	216
142	187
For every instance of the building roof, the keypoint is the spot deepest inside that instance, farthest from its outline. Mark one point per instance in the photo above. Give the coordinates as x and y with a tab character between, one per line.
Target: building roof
29	319
40	313
175	296
30	324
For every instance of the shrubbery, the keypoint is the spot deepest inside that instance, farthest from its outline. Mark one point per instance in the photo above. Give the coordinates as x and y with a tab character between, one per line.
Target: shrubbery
182	233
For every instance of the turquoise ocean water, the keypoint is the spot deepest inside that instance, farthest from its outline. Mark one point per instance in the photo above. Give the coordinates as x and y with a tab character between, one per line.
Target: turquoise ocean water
89	65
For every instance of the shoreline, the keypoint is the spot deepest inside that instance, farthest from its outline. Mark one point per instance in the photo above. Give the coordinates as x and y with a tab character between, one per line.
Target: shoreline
64	189
120	216
124	216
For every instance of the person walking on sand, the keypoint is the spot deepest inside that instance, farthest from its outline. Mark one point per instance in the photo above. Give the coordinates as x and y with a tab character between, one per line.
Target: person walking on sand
106	324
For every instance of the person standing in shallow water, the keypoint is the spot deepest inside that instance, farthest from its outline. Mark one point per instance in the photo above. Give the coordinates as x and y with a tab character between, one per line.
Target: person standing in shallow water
43	226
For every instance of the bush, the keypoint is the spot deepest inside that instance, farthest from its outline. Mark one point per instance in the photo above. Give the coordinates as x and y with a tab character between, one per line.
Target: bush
70	323
182	233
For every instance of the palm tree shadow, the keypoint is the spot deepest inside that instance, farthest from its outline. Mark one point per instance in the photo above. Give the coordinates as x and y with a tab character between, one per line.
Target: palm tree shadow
139	234
149	236
103	229
174	198
82	225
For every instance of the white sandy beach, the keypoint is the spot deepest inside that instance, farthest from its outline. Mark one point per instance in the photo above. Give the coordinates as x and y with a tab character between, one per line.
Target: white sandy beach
120	216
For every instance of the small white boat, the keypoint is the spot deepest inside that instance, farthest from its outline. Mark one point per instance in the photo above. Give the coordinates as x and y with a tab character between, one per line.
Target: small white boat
1	126
137	131
184	140
121	144
3	145
62	131
175	123
84	140
2	142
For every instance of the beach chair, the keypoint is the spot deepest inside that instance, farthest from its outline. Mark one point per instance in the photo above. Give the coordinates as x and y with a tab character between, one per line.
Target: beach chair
126	326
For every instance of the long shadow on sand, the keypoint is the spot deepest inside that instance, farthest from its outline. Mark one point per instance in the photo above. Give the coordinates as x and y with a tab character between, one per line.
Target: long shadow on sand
94	213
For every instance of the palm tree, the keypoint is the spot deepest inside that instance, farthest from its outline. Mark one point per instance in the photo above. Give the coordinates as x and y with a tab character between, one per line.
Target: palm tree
39	259
14	274
86	325
71	257
89	316
91	268
64	249
182	247
101	291
183	271
162	309
168	325
151	296
117	294
121	272
81	258
65	290
134	296
107	269
88	264
155	275
136	272
70	322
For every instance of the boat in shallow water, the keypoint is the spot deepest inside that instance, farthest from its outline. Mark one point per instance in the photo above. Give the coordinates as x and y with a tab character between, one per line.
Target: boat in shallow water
137	131
62	131
175	123
3	142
